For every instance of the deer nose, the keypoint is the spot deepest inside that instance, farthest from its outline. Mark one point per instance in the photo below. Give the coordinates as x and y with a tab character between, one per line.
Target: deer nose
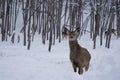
71	36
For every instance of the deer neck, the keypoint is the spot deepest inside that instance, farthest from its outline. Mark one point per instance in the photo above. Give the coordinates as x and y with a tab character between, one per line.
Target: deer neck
74	46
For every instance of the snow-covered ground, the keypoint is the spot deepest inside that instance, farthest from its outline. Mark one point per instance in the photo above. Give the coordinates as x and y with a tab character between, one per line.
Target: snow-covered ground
17	63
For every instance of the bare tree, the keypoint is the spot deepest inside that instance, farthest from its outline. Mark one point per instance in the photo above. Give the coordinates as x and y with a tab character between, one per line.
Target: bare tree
48	17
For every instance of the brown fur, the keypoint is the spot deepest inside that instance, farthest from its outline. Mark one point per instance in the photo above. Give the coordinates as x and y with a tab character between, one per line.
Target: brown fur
79	56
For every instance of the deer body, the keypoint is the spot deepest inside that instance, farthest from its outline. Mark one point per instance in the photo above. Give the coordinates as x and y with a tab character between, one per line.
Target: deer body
79	56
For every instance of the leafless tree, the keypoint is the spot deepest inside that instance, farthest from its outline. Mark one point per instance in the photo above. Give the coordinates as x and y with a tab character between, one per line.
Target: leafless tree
48	17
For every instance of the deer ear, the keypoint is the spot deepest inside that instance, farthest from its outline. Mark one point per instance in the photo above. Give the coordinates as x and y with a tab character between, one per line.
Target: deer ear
77	30
65	31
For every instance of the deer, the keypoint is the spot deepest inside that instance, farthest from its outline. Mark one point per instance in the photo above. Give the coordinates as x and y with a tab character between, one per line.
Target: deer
111	31
79	56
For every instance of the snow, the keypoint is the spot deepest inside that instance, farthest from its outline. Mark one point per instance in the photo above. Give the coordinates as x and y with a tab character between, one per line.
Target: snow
18	63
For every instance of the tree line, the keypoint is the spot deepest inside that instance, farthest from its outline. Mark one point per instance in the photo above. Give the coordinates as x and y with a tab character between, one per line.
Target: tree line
48	17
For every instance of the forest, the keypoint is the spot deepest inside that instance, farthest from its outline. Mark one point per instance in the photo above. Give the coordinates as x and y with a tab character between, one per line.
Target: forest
98	18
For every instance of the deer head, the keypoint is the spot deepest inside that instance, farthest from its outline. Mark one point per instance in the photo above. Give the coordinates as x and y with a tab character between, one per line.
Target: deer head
73	35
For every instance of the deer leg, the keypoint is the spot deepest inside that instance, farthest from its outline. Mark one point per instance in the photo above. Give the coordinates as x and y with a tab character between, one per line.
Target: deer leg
87	67
74	67
80	70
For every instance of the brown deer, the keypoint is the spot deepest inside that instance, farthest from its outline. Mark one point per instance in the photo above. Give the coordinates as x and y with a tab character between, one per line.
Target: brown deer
79	56
111	31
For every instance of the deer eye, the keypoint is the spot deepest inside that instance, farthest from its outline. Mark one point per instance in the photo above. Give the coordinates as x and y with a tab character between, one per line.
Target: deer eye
78	30
71	36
